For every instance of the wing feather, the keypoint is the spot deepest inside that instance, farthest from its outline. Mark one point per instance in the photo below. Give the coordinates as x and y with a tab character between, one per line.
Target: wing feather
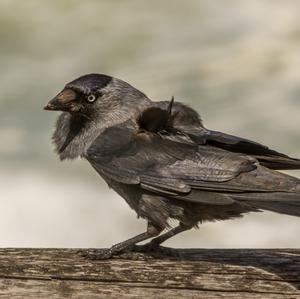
164	166
266	156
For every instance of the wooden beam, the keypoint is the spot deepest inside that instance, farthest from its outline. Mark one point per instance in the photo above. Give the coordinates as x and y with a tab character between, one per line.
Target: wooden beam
197	273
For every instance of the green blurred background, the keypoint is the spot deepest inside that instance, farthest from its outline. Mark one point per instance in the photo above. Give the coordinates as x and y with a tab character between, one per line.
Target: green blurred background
237	62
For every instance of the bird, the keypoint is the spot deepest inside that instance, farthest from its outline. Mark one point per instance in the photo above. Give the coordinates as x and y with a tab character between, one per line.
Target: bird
165	163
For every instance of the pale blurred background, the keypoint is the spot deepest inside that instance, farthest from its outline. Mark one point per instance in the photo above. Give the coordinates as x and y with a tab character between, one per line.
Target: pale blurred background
237	62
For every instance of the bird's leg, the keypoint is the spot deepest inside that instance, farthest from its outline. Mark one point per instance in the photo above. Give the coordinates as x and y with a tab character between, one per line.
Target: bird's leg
99	254
154	244
169	234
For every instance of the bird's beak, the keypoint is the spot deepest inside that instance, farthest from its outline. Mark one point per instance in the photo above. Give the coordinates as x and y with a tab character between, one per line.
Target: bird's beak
61	101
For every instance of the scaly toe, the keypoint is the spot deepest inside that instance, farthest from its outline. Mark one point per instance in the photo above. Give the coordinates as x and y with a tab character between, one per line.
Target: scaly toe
97	254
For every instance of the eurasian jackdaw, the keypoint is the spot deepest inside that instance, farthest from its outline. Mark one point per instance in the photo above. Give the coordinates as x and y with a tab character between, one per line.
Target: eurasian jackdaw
161	159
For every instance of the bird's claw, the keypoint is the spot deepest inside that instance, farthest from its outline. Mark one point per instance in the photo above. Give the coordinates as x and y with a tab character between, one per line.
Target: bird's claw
98	254
151	248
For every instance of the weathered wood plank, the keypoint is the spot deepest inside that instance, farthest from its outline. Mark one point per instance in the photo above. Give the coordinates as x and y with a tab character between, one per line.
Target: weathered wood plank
92	290
205	273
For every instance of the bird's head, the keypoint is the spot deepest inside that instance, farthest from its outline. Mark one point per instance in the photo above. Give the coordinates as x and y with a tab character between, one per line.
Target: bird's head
96	94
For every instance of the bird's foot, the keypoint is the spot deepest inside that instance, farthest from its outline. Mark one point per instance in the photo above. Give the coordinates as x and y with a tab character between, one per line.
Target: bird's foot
152	249
103	254
97	254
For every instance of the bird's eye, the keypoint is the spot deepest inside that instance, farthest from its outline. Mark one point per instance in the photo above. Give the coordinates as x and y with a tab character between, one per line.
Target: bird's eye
91	98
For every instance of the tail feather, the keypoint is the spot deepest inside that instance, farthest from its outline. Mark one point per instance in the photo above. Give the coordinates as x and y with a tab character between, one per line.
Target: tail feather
279	202
292	209
279	163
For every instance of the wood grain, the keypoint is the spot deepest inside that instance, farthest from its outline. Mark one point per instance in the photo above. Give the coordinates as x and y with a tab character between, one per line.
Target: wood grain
196	273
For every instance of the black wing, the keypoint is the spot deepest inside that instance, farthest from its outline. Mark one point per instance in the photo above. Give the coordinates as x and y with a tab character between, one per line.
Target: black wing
179	169
187	120
266	156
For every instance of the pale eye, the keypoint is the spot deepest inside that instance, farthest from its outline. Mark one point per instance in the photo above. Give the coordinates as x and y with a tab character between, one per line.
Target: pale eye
91	98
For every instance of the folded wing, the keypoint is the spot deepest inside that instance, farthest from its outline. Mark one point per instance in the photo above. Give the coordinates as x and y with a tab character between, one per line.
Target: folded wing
266	156
182	170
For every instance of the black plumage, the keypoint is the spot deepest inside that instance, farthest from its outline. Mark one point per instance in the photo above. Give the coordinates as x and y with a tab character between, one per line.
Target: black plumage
156	119
165	163
88	83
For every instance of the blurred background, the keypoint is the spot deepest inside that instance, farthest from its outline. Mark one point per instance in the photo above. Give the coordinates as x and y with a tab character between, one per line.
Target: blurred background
237	62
